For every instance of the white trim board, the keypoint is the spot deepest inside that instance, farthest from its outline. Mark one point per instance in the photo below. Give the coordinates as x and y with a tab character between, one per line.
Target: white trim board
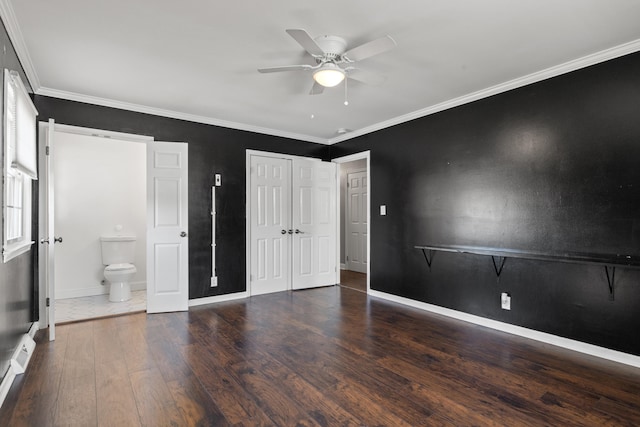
557	70
579	346
346	159
100	133
7	381
17	39
218	298
121	105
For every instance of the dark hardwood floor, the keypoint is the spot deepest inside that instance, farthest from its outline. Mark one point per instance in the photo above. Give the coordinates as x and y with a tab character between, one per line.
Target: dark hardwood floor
324	357
353	280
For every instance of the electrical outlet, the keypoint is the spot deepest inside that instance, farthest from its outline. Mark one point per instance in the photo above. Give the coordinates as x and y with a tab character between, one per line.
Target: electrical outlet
505	301
214	281
218	180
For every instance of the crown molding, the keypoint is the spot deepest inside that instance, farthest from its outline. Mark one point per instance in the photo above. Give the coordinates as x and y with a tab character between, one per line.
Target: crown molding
567	67
105	102
15	35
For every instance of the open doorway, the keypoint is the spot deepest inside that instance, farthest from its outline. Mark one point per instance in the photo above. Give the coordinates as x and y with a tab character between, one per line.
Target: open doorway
100	188
354	191
165	262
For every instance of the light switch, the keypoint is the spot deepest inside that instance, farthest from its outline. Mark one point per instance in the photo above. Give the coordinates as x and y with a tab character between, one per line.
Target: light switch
383	209
218	180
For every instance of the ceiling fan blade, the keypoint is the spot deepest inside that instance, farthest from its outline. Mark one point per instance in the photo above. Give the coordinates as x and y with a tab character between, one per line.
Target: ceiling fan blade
366	77
369	49
305	40
285	68
316	89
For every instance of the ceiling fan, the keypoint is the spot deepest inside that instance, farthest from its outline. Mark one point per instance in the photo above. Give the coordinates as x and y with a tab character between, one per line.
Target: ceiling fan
333	60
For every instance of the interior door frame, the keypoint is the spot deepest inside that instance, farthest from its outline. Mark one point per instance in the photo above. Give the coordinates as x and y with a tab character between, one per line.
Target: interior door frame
43	127
345	159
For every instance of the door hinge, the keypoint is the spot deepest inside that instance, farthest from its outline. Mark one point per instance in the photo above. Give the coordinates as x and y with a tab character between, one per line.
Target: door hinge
347	257
46	150
48	302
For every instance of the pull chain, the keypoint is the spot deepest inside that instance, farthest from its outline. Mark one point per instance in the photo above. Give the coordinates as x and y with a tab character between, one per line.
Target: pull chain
346	100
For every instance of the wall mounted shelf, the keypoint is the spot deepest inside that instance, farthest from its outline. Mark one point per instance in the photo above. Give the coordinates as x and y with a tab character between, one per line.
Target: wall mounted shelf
499	256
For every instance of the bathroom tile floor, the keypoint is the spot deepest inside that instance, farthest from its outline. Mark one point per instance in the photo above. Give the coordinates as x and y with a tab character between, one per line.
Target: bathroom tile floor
72	309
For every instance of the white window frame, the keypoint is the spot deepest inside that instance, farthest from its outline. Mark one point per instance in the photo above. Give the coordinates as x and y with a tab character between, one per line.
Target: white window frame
16	229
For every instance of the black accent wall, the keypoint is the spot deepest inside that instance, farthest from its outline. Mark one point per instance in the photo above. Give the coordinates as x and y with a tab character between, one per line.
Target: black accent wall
16	276
212	150
550	167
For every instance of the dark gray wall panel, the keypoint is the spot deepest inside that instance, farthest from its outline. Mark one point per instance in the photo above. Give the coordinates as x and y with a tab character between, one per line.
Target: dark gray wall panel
212	150
550	167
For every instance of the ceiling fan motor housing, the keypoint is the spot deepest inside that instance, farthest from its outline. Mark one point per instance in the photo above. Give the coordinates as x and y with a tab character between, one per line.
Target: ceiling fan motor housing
333	46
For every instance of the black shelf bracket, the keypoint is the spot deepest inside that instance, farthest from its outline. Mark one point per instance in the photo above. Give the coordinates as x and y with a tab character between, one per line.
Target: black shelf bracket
611	278
428	258
499	265
499	256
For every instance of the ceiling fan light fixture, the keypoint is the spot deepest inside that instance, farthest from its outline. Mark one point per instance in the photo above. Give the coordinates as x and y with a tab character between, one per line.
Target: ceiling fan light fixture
329	75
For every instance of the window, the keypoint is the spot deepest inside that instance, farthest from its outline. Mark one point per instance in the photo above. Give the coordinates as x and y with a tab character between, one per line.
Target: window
18	165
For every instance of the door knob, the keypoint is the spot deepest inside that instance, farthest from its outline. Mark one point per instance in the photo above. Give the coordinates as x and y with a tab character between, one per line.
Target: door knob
44	240
57	239
283	232
183	234
290	231
299	232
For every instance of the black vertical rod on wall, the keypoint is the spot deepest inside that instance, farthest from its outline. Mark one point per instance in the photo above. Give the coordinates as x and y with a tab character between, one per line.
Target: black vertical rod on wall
610	279
428	258
497	269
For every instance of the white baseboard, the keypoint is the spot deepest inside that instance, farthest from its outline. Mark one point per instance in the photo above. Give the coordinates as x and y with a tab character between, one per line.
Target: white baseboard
19	360
94	290
7	381
582	347
343	266
218	298
35	327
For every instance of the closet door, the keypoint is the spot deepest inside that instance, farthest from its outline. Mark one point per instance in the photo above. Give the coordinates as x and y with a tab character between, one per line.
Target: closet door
314	224
270	207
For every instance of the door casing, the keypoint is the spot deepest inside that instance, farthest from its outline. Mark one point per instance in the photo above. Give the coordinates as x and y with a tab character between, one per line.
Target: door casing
350	158
43	127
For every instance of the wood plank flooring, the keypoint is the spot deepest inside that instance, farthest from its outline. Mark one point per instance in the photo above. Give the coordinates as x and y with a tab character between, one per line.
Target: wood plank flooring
353	280
323	357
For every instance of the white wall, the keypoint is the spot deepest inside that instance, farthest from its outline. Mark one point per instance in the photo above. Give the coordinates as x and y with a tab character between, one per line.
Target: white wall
98	184
346	168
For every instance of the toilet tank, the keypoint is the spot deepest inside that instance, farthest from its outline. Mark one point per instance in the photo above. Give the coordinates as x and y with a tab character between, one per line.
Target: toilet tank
118	249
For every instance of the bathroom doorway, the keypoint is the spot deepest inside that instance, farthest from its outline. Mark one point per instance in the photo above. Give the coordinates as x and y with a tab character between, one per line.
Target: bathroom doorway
100	189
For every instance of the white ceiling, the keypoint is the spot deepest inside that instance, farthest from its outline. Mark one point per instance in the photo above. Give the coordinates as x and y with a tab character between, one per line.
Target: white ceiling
197	60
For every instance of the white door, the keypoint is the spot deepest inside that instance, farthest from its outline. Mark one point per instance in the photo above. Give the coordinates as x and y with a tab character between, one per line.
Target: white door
167	227
356	223
270	207
46	253
314	224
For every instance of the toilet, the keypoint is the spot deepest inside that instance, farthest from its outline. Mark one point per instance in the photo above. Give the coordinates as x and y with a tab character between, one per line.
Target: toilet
118	254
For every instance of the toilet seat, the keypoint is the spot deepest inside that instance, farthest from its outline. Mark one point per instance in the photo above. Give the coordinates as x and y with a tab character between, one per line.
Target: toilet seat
120	267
